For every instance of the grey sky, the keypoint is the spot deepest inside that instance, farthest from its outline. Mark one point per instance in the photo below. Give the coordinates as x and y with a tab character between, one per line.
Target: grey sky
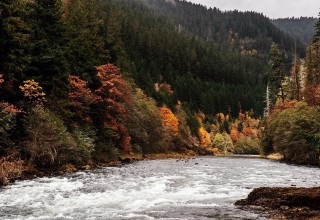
270	8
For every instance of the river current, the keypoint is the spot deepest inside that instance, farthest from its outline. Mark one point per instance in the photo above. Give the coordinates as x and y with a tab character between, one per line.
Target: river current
200	188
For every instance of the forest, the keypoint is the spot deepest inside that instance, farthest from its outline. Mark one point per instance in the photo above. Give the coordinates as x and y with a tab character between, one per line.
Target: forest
302	29
85	82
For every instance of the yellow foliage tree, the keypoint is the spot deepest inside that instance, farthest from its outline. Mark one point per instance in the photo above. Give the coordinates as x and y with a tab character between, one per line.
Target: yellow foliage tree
33	92
169	120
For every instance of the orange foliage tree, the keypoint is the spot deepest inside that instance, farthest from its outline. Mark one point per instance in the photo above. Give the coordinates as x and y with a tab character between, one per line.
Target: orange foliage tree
287	104
1	79
113	95
235	134
204	137
169	120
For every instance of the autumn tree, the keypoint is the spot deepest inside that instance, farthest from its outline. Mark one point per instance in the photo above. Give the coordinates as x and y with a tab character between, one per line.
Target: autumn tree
80	97
184	138
312	94
110	103
204	137
33	92
169	120
223	142
145	125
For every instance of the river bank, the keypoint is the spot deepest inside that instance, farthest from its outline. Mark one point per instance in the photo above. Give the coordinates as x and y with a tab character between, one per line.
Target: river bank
284	203
26	172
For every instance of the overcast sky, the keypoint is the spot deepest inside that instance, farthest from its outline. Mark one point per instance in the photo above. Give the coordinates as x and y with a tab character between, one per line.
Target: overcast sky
270	8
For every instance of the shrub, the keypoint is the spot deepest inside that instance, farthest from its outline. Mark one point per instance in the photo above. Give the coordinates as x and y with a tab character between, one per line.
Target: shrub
48	141
145	125
8	124
9	170
46	137
81	151
247	145
295	133
223	142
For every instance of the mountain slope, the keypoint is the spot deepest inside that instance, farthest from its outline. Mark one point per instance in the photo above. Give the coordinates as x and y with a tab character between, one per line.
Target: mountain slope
214	61
204	74
245	29
302	29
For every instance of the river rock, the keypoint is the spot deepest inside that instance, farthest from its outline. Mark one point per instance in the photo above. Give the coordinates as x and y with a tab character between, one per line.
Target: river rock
292	203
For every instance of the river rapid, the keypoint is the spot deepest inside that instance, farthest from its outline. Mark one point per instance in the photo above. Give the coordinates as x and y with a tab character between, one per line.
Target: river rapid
200	188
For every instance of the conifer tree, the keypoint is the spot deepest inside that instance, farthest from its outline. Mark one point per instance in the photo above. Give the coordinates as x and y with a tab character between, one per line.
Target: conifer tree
48	65
317	35
86	46
14	38
276	74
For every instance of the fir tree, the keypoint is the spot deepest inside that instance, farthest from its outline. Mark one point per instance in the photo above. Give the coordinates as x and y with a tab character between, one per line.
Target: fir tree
276	74
48	65
317	35
15	34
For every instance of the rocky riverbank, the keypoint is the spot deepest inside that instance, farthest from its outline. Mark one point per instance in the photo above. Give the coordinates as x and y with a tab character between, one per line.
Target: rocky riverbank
284	203
12	170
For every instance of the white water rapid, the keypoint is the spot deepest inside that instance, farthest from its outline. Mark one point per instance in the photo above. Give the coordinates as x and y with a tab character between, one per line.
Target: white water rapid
201	188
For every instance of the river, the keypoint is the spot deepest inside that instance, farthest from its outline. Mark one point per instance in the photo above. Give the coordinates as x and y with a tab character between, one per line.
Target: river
200	188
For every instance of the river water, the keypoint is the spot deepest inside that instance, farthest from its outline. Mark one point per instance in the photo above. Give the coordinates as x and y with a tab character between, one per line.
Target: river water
201	188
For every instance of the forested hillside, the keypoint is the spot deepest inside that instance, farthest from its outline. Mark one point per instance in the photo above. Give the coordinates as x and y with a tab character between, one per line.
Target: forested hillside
244	30
171	42
292	125
302	29
89	80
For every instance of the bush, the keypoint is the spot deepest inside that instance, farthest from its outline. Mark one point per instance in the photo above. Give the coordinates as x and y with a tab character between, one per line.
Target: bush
145	125
81	151
223	142
295	133
46	137
247	145
8	125
48	141
9	169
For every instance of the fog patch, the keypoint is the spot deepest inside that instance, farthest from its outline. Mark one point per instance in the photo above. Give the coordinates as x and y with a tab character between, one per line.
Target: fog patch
171	1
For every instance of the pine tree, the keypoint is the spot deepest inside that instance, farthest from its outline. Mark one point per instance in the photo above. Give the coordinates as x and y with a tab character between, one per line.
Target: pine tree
313	59
48	65
15	34
86	46
276	74
317	35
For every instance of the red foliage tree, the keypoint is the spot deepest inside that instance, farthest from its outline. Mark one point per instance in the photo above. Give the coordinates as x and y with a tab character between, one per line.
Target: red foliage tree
80	97
114	95
312	95
281	106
